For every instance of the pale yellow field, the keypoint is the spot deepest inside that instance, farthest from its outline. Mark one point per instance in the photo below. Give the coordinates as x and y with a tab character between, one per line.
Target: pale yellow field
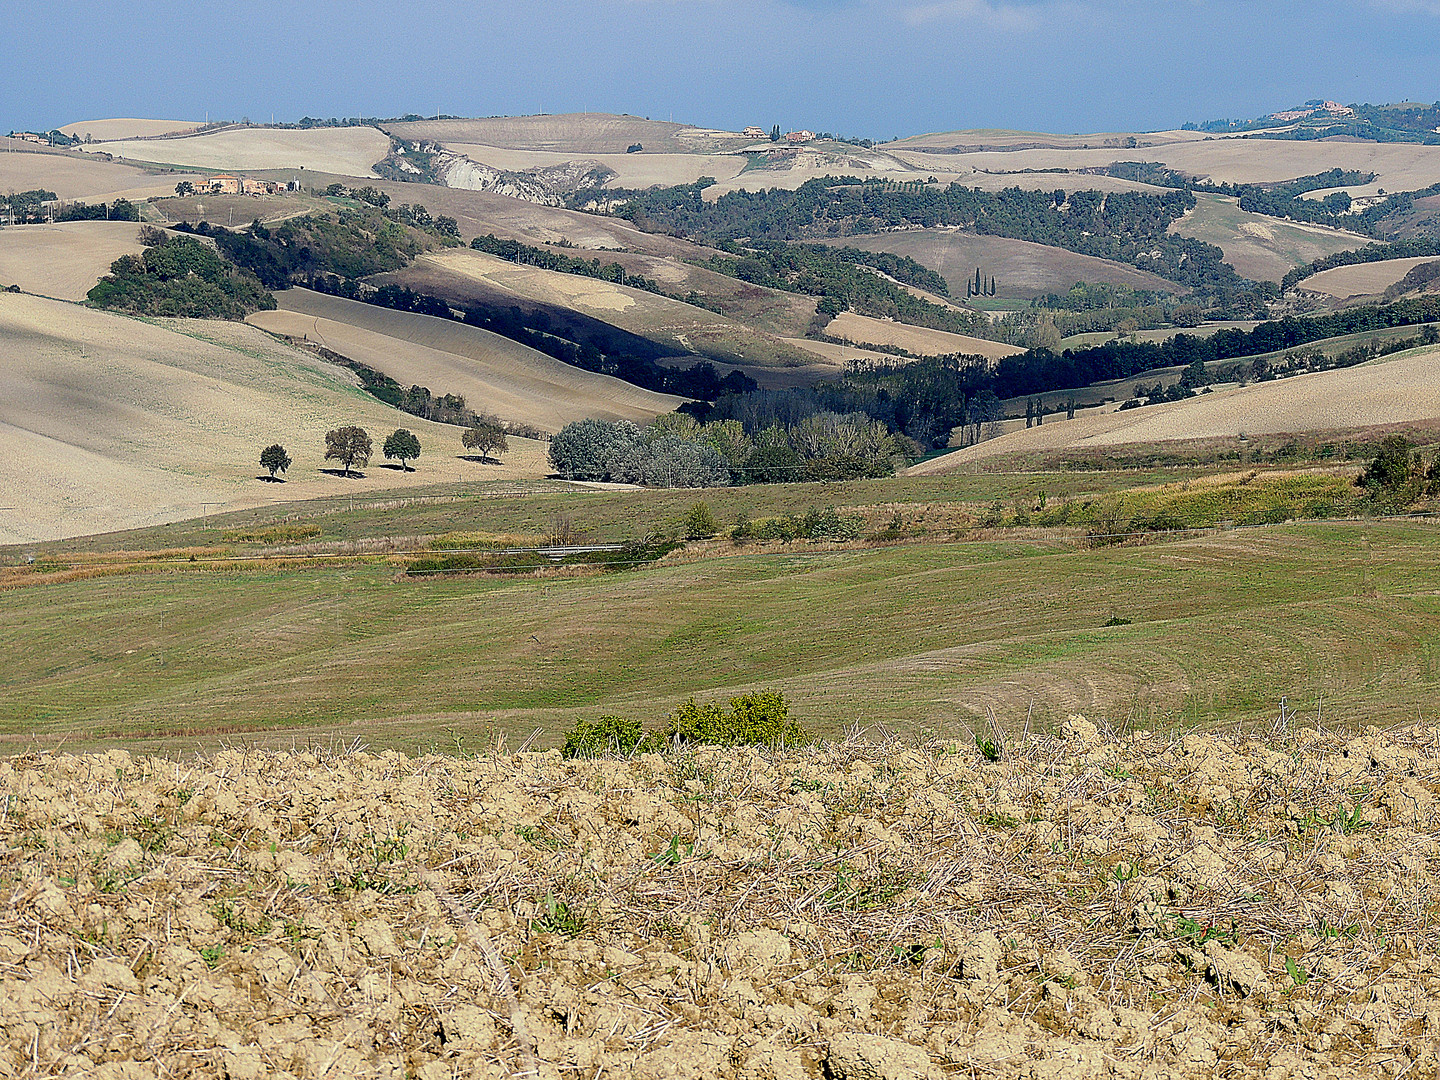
112	423
1362	279
1399	166
1259	247
1399	390
129	128
64	260
347	151
495	375
867	331
76	176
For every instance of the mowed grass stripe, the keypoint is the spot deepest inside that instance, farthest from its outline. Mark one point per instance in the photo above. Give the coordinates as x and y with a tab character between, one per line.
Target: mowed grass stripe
917	635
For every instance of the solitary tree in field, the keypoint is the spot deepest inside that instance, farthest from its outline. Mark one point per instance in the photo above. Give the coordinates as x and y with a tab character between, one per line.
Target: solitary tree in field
348	445
404	446
274	458
485	437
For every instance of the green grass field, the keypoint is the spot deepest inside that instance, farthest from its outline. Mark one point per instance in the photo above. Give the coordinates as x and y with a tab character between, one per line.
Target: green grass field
604	515
1341	617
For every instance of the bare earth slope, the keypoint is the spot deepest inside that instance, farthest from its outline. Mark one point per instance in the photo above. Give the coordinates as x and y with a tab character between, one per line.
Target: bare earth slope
64	260
1088	907
1393	390
1021	269
122	423
494	373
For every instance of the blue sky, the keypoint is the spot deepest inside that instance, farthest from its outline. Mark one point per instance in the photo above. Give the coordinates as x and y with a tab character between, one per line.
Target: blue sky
875	68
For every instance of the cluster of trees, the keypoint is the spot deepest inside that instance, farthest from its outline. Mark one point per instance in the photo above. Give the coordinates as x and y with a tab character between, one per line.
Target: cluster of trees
351	446
1129	227
179	276
26	207
1399	474
677	451
119	210
351	244
980	286
841	280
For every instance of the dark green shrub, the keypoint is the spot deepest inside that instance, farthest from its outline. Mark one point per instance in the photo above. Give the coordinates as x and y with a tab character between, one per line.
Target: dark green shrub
758	719
609	735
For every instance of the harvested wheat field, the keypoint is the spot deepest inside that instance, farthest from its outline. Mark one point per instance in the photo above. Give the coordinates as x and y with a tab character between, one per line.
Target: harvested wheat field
347	151
1089	905
463	276
75	176
121	422
66	259
863	330
1021	269
128	128
1362	279
1397	389
493	373
1259	247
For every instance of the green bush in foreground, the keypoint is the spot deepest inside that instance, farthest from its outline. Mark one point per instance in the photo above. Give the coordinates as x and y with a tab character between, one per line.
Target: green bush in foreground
759	719
609	735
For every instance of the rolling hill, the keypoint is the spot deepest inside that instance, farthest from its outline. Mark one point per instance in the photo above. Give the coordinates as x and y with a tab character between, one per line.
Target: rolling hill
349	151
1398	166
119	422
128	128
495	374
72	175
1260	247
464	277
65	260
1022	270
1396	389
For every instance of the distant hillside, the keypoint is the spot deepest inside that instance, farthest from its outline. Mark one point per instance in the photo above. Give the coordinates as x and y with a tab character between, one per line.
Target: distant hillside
122	423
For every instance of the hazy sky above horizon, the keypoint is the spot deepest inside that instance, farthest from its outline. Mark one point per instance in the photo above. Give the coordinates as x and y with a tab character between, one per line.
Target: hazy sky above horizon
875	68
